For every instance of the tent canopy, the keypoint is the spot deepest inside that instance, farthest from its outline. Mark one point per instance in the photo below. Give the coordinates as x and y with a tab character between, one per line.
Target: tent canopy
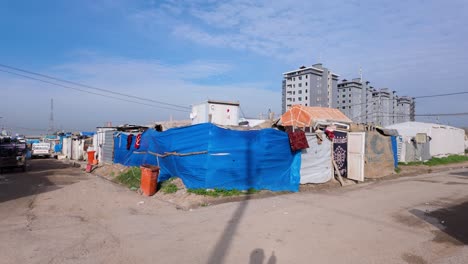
306	116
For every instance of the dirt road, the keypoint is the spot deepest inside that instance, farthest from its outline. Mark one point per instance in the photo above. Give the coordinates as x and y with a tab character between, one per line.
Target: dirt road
57	214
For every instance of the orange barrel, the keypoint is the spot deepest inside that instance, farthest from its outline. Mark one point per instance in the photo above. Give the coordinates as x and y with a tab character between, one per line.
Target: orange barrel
149	179
91	157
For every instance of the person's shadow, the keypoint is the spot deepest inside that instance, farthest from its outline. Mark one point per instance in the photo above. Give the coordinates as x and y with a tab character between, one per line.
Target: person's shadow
258	256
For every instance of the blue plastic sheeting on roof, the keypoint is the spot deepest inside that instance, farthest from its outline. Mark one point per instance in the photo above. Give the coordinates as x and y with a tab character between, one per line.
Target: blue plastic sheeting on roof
395	151
31	141
217	157
87	134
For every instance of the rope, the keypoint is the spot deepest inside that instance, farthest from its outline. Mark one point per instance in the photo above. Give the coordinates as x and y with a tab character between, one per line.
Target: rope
177	154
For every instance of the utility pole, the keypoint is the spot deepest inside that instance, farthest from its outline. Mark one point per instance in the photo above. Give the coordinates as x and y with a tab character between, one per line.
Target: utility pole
51	118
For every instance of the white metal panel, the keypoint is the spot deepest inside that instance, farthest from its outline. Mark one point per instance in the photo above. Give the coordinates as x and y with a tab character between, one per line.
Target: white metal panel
316	162
67	147
108	147
356	151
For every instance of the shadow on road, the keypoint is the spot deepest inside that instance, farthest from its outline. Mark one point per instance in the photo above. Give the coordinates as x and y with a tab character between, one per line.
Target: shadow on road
451	220
463	173
224	242
38	178
258	257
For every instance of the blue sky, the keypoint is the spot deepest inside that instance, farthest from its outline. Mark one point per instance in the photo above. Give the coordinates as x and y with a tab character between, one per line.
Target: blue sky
184	52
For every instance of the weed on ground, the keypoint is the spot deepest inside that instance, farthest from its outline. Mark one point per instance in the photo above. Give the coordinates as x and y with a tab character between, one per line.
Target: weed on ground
437	161
169	187
131	178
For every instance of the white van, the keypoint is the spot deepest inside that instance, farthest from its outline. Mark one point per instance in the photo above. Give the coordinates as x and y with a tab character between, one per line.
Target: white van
40	150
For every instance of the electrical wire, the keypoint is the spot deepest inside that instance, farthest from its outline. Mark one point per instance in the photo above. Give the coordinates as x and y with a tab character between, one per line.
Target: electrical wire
439	95
85	91
91	87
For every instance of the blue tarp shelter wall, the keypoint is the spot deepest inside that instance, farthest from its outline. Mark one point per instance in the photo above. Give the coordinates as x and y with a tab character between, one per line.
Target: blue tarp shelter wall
207	156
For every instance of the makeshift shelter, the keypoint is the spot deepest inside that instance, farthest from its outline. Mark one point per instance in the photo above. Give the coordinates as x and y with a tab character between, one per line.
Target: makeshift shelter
318	160
442	140
207	156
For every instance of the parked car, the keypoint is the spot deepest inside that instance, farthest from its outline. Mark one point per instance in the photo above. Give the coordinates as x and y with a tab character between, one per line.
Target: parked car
12	155
41	149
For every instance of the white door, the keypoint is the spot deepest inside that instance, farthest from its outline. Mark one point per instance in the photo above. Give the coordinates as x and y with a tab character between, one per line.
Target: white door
356	149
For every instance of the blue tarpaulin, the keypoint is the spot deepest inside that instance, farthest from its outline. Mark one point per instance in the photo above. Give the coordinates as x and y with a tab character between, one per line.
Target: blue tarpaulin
87	134
208	156
395	151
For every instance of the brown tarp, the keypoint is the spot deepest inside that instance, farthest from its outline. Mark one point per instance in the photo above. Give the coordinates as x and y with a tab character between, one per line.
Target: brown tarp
306	116
378	156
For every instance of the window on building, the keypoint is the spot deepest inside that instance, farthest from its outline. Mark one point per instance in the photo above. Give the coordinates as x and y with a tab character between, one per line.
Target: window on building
294	79
299	92
349	95
306	90
306	76
350	101
306	97
294	86
294	92
344	101
306	83
300	77
300	84
294	99
349	107
343	107
344	95
299	98
337	102
306	103
350	89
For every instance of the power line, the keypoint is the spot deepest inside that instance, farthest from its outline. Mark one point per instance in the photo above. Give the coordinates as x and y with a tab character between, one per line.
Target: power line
405	115
85	91
91	87
439	95
396	99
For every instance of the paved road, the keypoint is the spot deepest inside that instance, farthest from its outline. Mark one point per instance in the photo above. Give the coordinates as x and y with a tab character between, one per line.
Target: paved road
57	214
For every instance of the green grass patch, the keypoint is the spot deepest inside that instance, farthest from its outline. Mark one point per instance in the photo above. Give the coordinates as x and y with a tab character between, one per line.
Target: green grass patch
221	192
168	187
131	178
397	169
438	161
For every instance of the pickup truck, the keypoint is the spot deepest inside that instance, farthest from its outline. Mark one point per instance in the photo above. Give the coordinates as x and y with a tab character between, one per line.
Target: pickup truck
40	150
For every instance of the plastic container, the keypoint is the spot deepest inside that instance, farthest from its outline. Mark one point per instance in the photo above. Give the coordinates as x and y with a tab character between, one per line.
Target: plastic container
149	179
91	157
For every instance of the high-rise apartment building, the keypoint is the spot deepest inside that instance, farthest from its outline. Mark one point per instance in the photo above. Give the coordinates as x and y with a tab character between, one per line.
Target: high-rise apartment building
354	99
358	100
309	86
